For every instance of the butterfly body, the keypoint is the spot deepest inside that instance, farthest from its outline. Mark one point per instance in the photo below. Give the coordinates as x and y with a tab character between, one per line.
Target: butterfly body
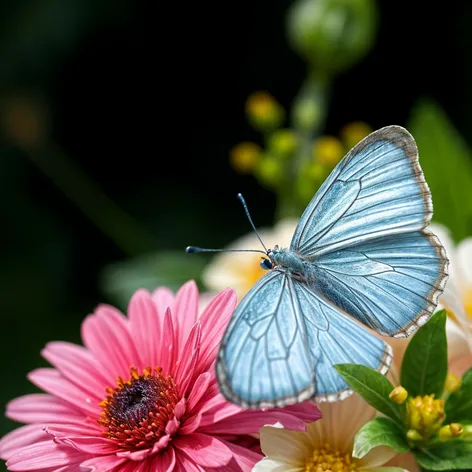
361	255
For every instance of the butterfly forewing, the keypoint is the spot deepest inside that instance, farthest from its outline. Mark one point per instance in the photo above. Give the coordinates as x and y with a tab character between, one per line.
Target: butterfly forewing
377	189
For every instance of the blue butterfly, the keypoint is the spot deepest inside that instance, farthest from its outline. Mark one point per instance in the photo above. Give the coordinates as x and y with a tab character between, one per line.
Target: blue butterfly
362	249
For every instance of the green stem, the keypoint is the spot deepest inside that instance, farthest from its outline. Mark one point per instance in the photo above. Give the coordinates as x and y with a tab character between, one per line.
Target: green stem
98	207
309	116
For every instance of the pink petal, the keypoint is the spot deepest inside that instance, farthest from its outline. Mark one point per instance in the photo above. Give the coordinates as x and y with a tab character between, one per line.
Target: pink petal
51	381
199	389
21	437
186	311
43	455
136	456
243	458
165	462
101	464
306	411
185	366
78	366
167	344
106	333
204	450
161	444
163	298
191	424
145	327
184	464
214	320
42	408
251	421
90	445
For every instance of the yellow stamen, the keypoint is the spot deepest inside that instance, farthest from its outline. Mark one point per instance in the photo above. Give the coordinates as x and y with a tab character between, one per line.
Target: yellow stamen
328	459
398	395
468	302
453	383
425	414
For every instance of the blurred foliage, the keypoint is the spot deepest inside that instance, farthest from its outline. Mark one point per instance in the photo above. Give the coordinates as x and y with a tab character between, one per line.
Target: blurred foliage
447	164
164	268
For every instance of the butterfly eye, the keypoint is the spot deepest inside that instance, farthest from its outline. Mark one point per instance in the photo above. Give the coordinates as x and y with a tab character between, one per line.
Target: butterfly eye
266	264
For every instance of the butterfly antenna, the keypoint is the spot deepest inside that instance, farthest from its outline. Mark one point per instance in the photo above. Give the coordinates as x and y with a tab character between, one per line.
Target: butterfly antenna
241	199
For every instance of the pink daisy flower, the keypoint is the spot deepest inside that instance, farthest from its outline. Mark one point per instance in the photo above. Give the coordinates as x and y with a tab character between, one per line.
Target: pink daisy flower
141	395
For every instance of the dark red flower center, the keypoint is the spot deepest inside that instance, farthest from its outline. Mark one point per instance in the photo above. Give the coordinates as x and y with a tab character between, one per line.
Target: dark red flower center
136	412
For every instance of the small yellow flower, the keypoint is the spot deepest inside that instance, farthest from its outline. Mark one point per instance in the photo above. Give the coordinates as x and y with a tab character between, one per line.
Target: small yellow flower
263	111
398	395
425	414
283	143
245	156
453	383
328	150
354	132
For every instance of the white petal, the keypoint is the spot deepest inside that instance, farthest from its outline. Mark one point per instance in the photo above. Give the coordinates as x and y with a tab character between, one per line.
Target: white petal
269	465
444	236
377	456
340	423
458	341
289	447
407	461
464	261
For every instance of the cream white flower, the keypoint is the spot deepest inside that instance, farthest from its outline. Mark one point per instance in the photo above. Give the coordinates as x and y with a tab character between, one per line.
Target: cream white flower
457	296
241	271
326	446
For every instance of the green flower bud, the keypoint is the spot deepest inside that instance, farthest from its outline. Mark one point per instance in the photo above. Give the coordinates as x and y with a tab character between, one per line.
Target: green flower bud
332	35
283	143
269	171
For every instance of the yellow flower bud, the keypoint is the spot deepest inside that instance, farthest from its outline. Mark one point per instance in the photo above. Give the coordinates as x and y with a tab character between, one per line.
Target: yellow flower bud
283	143
453	383
328	150
398	395
263	111
425	414
245	156
450	431
353	132
413	435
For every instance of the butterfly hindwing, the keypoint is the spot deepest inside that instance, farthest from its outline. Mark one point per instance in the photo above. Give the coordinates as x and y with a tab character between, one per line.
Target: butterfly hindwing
282	342
377	189
342	342
390	284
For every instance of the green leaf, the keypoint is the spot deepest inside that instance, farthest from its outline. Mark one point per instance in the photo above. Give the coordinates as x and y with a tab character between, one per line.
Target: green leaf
165	268
374	388
424	366
447	165
459	404
379	432
451	455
